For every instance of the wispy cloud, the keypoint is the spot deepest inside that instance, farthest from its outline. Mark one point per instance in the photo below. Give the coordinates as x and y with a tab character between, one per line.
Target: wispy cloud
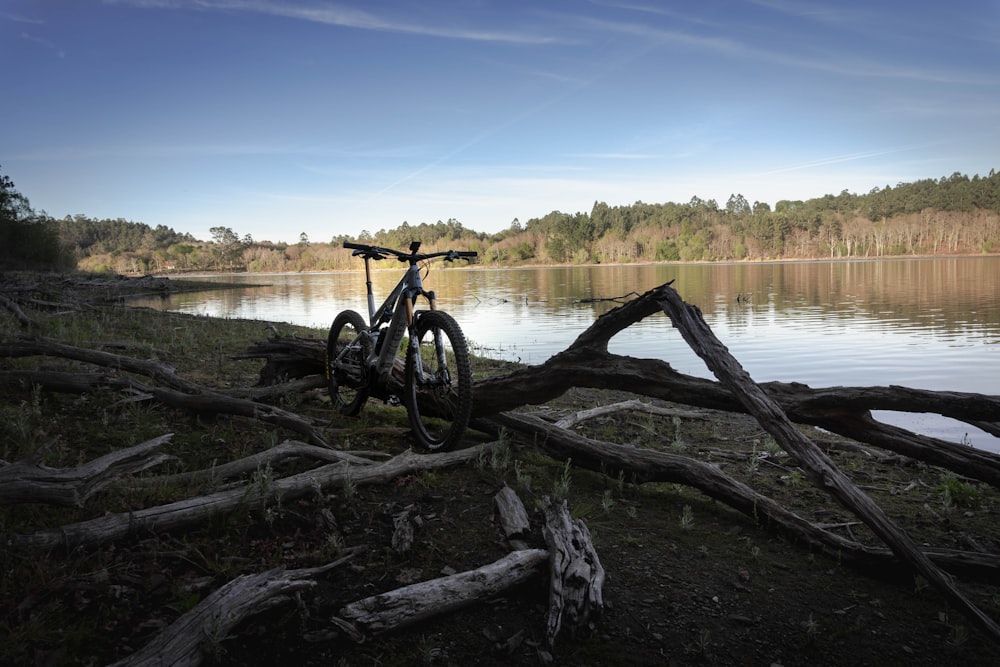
44	42
657	10
347	17
16	18
837	159
615	156
831	63
826	13
206	150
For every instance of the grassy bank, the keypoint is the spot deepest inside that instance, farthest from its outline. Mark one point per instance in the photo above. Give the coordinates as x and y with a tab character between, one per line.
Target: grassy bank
690	581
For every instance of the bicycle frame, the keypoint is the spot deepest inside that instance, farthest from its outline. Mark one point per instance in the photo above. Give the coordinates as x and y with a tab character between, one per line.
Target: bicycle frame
400	302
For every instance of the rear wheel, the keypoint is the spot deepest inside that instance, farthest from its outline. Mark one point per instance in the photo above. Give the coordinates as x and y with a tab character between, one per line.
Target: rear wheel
439	400
346	353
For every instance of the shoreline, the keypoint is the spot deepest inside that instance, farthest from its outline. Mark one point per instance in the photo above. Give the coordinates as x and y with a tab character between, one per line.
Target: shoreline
502	267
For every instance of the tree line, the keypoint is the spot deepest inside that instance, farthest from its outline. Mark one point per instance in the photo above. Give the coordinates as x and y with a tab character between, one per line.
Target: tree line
27	241
951	215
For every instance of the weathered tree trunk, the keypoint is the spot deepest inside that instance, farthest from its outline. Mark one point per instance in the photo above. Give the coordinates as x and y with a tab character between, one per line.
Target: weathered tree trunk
842	410
29	482
255	496
405	606
513	517
16	311
831	409
647	465
688	320
188	639
258	461
576	577
200	400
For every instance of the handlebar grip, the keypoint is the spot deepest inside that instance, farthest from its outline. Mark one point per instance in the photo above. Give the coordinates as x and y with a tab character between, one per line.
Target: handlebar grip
467	253
356	246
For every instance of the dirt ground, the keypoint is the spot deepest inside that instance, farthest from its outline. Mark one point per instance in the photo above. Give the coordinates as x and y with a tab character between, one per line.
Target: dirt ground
689	580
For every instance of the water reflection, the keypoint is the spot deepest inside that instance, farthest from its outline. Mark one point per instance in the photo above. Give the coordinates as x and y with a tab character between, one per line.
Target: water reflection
926	323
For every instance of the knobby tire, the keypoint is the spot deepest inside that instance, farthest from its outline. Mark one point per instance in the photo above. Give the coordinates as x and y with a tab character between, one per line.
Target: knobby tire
348	386
439	410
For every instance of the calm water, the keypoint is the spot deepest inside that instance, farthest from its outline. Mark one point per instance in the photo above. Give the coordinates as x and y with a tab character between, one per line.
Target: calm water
924	323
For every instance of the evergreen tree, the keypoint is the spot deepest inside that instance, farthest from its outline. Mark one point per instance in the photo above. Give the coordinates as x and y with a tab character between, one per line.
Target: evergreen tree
26	239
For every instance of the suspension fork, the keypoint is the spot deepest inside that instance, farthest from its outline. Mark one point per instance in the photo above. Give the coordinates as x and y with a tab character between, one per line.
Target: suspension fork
439	349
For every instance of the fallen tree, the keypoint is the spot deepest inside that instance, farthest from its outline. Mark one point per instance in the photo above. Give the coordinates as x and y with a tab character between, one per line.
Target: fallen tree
820	468
254	496
30	482
585	363
197	633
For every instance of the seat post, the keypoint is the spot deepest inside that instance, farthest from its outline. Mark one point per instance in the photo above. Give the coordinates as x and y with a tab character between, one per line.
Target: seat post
368	285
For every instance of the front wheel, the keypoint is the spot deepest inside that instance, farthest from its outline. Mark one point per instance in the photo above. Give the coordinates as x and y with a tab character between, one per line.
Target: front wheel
346	355
438	391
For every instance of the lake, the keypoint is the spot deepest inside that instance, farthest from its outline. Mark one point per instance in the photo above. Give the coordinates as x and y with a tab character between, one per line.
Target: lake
923	323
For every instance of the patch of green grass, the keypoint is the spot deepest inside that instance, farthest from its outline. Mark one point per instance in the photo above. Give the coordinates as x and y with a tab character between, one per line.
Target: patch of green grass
955	492
687	518
563	481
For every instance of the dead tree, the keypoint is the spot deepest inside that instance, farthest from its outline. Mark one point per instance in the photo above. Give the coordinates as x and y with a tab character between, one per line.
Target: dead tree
30	482
586	362
825	475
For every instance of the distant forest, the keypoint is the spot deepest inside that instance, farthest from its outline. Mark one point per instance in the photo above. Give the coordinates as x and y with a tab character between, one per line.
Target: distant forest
951	215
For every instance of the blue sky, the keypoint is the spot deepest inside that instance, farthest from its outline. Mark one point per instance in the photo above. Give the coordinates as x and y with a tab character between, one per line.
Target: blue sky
276	117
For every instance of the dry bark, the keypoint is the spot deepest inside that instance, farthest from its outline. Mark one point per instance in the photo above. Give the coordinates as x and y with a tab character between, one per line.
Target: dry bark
513	517
841	410
156	370
647	465
255	496
201	400
188	639
634	405
576	577
16	311
833	409
260	460
405	606
688	320
30	482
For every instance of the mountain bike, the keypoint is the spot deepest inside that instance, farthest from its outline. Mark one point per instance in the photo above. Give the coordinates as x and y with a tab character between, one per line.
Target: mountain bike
368	359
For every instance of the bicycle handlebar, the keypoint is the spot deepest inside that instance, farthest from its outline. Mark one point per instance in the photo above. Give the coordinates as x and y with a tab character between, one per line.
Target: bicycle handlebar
376	252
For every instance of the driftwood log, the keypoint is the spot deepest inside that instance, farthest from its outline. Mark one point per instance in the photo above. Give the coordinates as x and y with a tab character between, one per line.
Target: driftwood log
405	606
16	311
586	362
576	576
646	465
197	633
255	496
576	579
199	400
29	482
843	410
822	470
